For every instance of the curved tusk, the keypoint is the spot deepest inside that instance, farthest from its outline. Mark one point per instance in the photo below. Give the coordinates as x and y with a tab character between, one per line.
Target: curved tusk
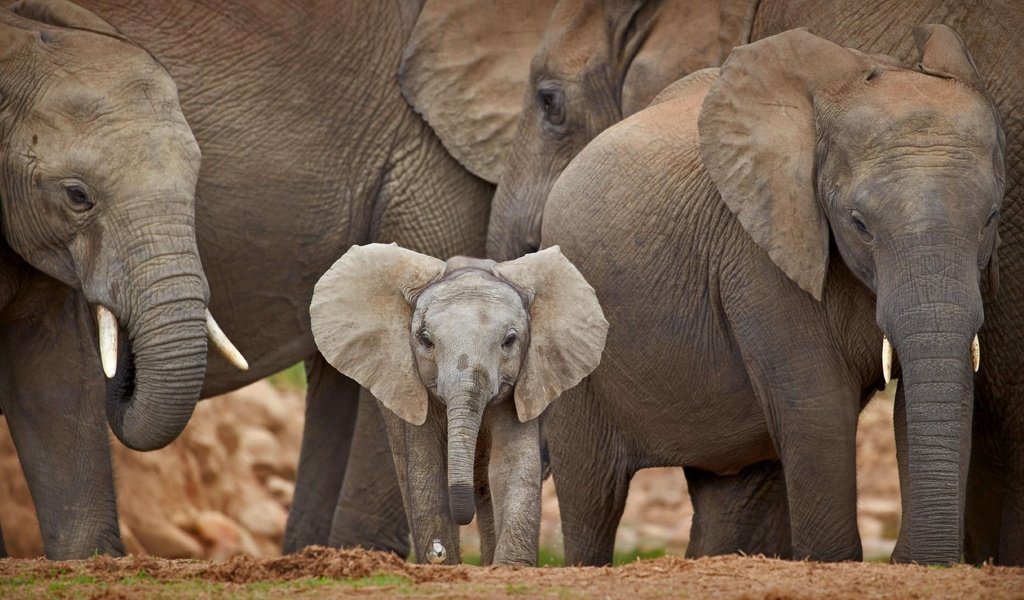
887	354
223	344
108	340
976	353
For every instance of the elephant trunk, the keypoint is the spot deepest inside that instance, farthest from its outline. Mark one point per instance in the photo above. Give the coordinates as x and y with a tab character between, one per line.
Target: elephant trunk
515	225
465	411
160	373
931	316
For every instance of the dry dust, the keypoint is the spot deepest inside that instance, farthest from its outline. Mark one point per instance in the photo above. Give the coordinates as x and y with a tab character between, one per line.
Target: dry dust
328	572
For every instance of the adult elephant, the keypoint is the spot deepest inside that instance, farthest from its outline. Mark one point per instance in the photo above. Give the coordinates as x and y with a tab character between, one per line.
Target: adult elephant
98	180
308	148
748	259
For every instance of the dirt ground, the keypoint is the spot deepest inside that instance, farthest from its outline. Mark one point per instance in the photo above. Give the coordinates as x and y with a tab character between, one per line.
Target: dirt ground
323	572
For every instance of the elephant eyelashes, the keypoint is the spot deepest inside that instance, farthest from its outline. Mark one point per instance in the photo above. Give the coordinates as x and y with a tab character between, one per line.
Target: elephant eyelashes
510	341
78	197
424	339
552	103
861	227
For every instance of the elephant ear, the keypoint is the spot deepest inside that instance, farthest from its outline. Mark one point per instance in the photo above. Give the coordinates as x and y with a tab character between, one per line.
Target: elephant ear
567	328
466	69
757	141
361	317
683	36
942	53
61	13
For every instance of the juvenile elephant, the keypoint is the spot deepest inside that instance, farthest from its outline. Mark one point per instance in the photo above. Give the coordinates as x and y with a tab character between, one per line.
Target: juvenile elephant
457	351
762	233
307	144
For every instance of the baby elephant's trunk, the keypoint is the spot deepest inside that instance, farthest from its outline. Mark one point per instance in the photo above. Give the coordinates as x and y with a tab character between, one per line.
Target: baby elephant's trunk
465	410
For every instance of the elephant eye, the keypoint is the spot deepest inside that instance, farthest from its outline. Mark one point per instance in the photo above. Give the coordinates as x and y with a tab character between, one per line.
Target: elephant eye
78	197
424	339
509	341
992	218
858	223
552	103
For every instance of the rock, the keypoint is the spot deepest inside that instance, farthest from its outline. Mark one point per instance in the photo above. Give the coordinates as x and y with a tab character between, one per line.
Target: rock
280	489
264	518
164	539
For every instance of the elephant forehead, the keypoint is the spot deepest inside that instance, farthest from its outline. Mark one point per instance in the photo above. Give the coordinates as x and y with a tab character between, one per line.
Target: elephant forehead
906	108
470	295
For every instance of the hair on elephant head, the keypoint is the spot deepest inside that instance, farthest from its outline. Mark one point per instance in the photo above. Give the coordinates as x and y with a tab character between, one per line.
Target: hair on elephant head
550	77
466	333
812	144
97	189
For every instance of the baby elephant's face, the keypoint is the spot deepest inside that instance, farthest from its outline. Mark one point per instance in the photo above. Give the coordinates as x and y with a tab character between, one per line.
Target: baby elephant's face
470	331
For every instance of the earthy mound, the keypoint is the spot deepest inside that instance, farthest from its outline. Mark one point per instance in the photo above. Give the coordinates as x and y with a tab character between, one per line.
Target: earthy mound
319	571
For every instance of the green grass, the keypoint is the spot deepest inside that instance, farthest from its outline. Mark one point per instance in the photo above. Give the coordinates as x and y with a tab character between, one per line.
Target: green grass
291	379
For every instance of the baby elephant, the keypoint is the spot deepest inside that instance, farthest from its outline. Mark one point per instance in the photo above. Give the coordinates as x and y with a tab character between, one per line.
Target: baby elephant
456	352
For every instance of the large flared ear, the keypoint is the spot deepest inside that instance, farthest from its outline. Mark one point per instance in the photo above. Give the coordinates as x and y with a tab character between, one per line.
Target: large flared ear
361	317
61	13
682	36
567	328
942	53
466	69
758	143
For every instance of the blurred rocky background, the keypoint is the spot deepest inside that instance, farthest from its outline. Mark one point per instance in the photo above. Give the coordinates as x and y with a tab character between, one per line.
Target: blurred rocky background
225	486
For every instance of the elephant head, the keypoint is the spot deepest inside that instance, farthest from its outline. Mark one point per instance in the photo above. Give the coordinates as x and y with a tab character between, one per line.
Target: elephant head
545	78
97	190
814	146
466	334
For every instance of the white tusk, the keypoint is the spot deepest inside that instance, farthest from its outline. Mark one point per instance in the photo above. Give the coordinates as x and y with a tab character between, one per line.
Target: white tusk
108	340
223	344
887	354
976	354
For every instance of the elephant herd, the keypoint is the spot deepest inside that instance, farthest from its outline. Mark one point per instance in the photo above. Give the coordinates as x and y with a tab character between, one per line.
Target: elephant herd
712	229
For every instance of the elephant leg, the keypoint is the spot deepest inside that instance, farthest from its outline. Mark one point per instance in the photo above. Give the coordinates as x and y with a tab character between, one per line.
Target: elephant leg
331	405
3	546
746	512
484	498
52	392
983	510
591	475
514	473
370	513
420	458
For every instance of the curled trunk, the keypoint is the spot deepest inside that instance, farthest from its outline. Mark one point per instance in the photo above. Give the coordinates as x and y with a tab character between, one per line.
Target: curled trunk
160	372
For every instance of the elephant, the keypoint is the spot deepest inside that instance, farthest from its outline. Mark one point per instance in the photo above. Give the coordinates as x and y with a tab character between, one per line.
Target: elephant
576	83
91	129
764	229
463	356
308	147
991	28
593	62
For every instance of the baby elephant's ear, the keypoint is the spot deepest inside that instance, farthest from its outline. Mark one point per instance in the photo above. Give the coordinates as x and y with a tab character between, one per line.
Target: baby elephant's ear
62	13
567	328
361	317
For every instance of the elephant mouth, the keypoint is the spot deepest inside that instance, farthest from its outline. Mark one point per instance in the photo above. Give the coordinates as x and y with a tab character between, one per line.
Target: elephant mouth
121	387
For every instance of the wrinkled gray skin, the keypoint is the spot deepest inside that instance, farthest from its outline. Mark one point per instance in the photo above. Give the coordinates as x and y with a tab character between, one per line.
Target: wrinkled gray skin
463	357
98	183
995	501
741	365
309	145
991	29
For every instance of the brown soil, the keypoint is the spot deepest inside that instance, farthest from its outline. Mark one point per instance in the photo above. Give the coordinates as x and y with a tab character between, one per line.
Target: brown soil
321	571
